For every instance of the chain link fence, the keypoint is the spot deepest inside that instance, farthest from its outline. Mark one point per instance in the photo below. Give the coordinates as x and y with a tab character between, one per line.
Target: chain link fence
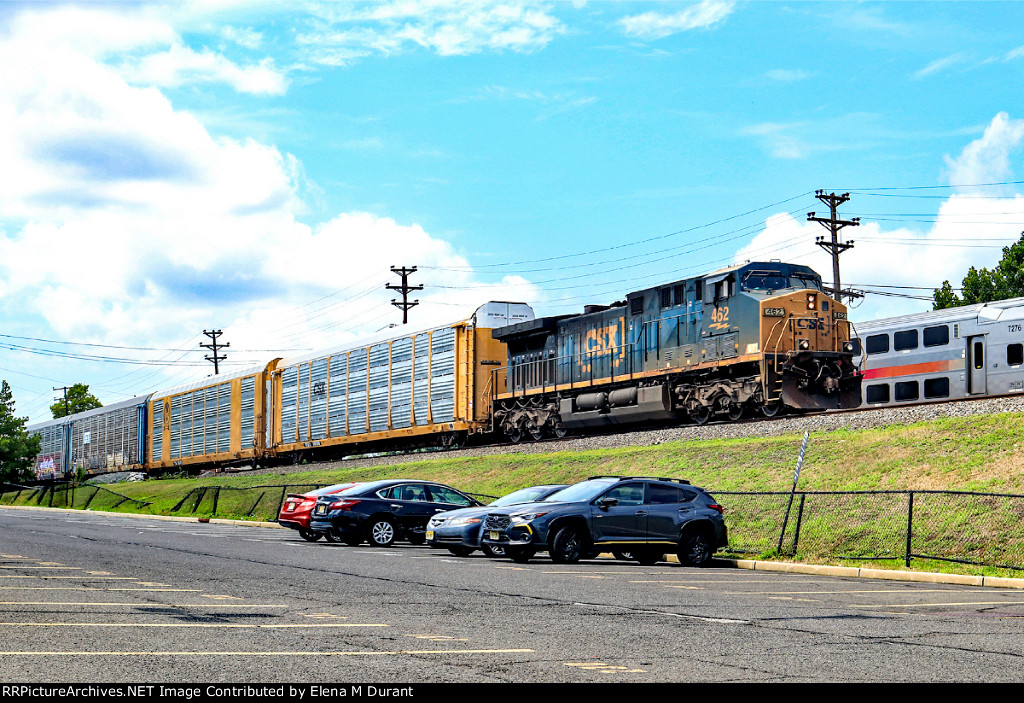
70	494
899	526
956	526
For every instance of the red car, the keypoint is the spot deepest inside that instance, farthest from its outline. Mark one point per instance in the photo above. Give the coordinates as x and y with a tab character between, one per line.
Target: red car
297	507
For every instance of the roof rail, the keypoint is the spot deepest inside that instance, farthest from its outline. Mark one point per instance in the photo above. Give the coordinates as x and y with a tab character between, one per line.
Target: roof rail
650	478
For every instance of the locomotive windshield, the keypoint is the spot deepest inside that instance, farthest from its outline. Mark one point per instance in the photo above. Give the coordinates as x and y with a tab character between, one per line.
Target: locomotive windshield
769	280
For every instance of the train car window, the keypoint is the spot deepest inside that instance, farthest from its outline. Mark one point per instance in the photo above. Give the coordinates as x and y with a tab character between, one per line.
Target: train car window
877	344
936	336
804	281
907	390
857	348
878	393
636	305
907	339
1015	354
666	297
698	288
936	387
680	294
763	280
979	355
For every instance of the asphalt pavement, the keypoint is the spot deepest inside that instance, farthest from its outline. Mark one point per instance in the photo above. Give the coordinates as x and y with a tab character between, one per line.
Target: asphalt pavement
102	598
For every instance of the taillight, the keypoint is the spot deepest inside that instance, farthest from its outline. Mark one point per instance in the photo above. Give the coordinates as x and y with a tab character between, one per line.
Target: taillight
716	506
344	504
306	503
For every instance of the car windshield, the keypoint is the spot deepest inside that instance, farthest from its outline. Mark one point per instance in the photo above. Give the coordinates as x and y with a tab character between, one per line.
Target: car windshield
523	495
580	492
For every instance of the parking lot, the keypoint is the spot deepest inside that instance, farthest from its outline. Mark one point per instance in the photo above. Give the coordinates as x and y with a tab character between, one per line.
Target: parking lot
102	598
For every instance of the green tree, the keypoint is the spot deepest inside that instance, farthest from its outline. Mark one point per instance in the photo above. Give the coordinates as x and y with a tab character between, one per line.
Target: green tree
79	400
1004	281
17	449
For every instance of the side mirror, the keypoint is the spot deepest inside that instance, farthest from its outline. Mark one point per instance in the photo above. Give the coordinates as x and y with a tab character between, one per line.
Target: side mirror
606	503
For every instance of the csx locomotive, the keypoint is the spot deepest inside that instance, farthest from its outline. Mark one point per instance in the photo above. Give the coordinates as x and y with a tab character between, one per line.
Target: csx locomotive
761	336
758	337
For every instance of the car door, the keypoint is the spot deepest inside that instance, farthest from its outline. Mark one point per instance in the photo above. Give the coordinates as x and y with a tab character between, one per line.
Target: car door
669	507
410	505
622	523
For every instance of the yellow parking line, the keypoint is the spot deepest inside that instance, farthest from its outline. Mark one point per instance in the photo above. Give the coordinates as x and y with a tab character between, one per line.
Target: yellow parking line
188	624
865	591
86	588
941	605
78	578
270	654
70	568
149	605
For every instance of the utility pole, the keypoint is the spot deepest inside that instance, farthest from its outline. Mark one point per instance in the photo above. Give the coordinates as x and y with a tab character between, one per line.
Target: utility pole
214	346
833	245
67	409
404	289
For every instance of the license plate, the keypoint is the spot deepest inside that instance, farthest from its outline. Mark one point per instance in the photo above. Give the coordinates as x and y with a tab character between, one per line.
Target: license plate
430	534
495	535
321	509
289	506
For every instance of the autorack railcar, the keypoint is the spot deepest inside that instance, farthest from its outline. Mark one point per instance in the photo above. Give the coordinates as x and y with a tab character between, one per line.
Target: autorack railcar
102	440
761	336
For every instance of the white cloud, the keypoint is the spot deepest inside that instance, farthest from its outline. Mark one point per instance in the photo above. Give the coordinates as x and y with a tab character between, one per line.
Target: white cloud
344	33
909	256
657	25
122	213
782	75
180	65
987	160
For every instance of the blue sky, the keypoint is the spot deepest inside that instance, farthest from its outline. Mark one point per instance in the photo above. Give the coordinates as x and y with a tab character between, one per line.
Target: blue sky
257	168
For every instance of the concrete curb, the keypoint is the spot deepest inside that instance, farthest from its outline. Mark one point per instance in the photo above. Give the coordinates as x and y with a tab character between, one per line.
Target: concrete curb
750	564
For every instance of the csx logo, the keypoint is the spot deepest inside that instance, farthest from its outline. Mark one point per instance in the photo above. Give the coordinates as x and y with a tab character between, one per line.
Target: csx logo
812	323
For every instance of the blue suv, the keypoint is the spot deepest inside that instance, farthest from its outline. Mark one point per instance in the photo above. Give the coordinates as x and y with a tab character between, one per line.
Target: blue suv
639	515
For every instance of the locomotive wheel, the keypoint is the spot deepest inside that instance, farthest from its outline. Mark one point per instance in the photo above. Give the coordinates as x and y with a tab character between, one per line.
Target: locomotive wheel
771	409
735	411
701	415
515	434
559	430
535	432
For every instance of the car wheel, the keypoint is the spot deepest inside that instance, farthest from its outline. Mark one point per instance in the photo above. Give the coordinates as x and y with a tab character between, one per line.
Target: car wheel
330	537
695	550
519	555
621	555
493	552
352	540
382	533
460	551
309	535
567	547
648	558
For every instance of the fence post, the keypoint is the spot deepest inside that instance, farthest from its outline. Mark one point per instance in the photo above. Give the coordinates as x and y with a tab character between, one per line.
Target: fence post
910	524
792	493
216	498
799	521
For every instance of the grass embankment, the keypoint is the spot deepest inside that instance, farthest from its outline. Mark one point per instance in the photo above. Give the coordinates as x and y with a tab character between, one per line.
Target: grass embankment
978	453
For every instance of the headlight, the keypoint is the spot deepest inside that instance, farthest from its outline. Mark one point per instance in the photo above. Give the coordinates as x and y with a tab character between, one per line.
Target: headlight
812	302
526	517
805	344
460	521
848	347
437	521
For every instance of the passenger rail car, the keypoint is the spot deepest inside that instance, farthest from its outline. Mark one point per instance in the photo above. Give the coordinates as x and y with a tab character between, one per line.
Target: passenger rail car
758	337
102	440
967	352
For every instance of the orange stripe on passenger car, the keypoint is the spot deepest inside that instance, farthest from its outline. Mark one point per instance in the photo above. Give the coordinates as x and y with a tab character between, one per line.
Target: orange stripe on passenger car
914	369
